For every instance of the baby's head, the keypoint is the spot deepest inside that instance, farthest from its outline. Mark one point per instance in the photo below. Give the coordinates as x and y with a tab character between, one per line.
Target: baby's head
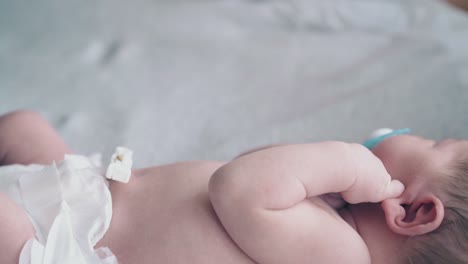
431	216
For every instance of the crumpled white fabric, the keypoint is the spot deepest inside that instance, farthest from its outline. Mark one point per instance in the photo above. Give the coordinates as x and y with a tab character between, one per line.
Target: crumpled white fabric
69	205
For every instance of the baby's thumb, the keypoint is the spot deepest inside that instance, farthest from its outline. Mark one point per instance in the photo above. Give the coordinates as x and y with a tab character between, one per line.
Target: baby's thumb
394	189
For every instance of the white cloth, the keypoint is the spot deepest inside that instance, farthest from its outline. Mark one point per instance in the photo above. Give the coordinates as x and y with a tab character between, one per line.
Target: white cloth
69	205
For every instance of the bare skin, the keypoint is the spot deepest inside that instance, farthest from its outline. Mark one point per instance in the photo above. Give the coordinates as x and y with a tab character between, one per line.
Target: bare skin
247	210
151	222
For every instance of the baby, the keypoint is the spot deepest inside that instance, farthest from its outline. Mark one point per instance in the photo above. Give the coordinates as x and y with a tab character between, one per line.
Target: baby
328	202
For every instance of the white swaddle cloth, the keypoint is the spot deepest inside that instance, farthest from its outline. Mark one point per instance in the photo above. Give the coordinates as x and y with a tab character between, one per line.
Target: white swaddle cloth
69	205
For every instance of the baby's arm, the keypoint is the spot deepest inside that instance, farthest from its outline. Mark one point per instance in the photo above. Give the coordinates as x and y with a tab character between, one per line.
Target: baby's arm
261	199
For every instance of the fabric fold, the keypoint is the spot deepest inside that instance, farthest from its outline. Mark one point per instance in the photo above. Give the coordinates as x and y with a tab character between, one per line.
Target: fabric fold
69	205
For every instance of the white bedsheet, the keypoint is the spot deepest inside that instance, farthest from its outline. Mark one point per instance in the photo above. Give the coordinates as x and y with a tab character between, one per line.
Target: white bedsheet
178	80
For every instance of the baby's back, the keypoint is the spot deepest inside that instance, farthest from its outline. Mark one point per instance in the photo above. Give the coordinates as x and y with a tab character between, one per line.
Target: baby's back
164	215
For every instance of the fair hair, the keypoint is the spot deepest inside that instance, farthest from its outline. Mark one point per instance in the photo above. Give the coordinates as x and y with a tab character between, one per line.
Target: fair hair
448	243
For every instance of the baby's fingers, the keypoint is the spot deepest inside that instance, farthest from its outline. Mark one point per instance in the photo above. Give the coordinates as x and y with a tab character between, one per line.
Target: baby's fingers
394	189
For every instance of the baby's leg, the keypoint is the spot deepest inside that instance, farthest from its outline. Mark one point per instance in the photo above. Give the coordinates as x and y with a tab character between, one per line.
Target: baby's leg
15	230
26	137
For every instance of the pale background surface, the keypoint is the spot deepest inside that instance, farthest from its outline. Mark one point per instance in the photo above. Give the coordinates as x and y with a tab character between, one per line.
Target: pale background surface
177	80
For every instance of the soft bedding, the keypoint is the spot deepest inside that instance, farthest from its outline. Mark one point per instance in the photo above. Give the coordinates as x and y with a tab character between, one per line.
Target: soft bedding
179	80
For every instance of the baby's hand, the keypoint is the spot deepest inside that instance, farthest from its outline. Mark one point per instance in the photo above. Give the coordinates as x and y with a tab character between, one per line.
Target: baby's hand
372	181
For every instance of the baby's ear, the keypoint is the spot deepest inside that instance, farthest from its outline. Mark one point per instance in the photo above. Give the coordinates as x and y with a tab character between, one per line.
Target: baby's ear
418	216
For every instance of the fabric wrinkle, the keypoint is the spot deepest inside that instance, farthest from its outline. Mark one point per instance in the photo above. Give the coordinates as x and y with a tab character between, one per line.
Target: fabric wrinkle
69	205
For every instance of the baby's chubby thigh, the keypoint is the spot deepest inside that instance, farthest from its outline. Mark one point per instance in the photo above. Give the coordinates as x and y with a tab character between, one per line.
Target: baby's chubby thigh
15	230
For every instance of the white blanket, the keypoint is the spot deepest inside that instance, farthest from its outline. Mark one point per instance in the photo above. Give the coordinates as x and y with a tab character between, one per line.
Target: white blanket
178	80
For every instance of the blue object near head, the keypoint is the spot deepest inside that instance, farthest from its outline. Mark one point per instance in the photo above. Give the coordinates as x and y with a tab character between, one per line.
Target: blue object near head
371	143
